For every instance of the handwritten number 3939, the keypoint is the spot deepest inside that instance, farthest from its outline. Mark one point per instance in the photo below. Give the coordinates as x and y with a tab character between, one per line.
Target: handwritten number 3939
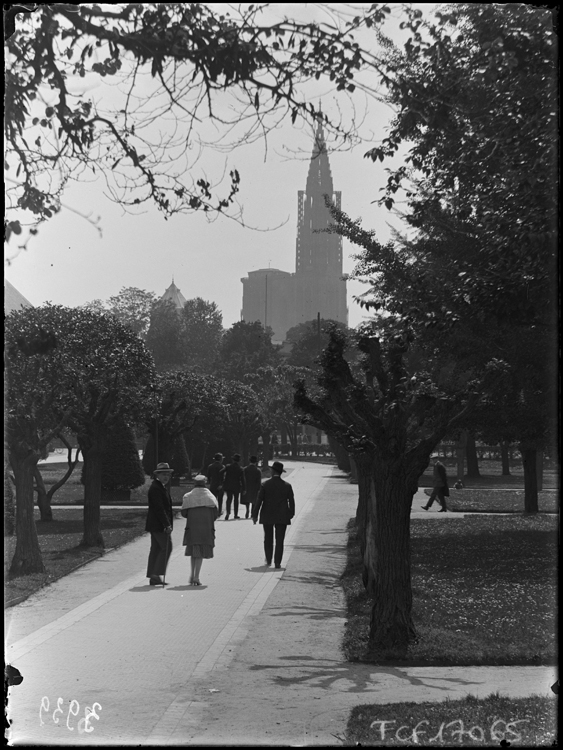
73	709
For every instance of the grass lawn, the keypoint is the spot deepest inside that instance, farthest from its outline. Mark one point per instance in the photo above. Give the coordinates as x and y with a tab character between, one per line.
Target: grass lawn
494	721
72	492
59	541
491	475
484	592
498	501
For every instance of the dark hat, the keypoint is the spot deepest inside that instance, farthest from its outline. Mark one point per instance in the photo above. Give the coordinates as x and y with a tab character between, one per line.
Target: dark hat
236	457
217	456
278	466
253	460
162	467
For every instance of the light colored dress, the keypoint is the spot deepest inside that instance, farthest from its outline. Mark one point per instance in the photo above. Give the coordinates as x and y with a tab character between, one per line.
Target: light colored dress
200	509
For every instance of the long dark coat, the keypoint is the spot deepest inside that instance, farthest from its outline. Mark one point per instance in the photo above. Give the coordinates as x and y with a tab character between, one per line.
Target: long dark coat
214	473
253	479
233	479
160	513
275	502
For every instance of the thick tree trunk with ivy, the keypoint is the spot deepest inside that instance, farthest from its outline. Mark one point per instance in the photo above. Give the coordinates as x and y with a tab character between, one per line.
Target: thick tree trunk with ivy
92	477
27	556
529	462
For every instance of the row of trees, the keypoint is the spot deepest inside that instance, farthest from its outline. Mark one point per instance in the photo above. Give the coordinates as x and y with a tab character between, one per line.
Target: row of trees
82	371
464	326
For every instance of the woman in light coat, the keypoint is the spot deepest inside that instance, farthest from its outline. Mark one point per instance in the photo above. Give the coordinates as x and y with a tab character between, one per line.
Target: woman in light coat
200	509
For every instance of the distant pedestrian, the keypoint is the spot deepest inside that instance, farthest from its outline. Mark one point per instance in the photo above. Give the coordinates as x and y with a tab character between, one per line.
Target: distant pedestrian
200	509
276	506
253	480
160	520
215	473
233	484
441	489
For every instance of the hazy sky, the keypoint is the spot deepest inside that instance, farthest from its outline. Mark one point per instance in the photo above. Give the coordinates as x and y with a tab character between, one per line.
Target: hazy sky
69	263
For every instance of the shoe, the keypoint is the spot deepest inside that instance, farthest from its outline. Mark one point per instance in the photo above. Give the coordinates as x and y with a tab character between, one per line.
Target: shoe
278	567
157	583
267	562
424	507
443	511
197	583
237	517
227	517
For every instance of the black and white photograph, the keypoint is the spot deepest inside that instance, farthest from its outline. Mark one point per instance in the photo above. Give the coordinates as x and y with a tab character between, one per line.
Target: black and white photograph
281	374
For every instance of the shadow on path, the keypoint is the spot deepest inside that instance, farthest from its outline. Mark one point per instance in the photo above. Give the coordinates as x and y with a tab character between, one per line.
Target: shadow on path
361	677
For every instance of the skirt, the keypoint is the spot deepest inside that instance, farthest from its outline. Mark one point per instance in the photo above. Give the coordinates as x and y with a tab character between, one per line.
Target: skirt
199	550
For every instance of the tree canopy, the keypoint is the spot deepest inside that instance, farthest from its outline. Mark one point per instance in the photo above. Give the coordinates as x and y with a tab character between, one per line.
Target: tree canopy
245	348
173	66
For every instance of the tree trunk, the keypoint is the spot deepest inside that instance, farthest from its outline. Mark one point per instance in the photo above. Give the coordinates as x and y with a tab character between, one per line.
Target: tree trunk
353	471
366	489
539	469
43	501
471	455
460	455
391	625
529	461
266	439
92	495
505	458
27	556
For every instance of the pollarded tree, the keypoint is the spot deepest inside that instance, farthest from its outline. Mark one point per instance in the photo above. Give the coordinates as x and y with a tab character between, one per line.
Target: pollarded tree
33	419
165	336
182	403
308	341
390	420
202	330
132	307
246	347
274	388
100	369
176	68
121	466
242	416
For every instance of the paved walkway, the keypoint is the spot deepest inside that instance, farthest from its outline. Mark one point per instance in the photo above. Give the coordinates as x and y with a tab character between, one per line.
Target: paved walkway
251	657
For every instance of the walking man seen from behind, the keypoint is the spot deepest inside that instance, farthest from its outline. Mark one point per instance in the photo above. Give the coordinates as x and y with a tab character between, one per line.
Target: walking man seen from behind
160	519
441	489
276	506
215	473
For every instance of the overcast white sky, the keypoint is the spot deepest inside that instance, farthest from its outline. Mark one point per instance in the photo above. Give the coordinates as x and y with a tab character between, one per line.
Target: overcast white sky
69	263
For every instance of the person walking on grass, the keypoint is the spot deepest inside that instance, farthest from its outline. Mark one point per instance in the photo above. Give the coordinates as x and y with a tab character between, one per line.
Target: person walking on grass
233	484
253	481
160	520
200	509
276	506
215	473
441	489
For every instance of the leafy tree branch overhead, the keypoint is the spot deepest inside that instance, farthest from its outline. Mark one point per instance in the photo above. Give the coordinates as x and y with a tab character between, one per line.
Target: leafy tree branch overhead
179	71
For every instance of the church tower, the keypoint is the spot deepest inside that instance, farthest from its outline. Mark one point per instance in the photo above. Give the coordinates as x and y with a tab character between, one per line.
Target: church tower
319	286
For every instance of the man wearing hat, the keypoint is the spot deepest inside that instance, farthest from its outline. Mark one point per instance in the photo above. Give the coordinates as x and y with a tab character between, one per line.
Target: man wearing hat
160	519
276	506
215	473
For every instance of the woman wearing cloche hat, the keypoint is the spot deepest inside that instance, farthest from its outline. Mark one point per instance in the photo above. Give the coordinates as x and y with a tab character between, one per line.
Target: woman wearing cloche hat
200	509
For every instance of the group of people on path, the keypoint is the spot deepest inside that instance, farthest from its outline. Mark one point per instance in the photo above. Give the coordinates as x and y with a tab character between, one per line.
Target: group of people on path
240	485
271	503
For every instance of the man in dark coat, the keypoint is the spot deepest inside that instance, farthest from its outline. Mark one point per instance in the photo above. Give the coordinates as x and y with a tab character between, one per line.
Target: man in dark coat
160	519
215	473
441	489
233	484
253	480
276	506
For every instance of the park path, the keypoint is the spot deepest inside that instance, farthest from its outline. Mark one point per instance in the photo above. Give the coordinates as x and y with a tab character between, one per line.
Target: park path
251	657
